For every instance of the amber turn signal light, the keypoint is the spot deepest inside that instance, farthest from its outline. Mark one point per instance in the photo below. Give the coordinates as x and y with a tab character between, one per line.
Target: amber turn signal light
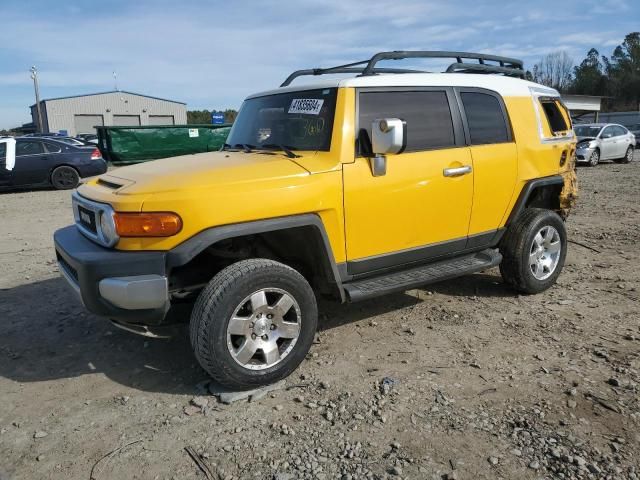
151	224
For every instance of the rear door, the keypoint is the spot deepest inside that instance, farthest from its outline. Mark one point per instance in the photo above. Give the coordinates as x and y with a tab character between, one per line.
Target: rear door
31	162
495	160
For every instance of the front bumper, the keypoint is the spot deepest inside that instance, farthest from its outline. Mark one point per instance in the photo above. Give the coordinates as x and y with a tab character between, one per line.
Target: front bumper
583	154
127	286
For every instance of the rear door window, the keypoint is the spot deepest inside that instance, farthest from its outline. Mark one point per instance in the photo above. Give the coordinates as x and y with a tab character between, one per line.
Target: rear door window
52	148
3	150
427	113
28	147
485	118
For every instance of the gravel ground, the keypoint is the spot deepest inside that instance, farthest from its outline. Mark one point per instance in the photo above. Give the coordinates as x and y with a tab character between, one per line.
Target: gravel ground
462	379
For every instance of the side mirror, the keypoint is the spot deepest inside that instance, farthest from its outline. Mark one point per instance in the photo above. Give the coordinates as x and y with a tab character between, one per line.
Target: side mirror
388	136
607	135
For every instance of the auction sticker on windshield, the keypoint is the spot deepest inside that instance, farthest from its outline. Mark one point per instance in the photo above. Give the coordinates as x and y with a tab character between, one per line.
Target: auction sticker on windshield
309	106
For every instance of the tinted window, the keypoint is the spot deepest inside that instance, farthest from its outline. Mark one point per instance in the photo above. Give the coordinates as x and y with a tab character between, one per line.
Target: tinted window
485	118
52	148
28	147
556	121
428	117
3	150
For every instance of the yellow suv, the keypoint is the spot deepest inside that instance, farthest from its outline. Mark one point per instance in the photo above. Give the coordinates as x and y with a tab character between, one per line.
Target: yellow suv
352	188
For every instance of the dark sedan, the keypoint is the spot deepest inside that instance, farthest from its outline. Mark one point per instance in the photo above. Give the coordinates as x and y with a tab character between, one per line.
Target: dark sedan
49	162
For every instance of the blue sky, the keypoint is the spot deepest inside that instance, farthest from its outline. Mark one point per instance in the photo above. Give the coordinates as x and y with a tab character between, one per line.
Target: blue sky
211	54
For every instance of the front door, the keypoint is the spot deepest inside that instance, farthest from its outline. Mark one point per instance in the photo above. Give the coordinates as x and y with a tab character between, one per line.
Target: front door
609	143
421	207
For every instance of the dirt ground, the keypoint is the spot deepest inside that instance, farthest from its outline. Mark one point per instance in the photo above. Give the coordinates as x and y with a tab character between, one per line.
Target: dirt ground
481	382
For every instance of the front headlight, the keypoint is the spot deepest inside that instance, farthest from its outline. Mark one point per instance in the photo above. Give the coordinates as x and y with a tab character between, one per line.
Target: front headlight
108	228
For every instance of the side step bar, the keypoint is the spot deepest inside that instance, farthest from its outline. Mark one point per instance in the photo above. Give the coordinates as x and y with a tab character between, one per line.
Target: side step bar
424	274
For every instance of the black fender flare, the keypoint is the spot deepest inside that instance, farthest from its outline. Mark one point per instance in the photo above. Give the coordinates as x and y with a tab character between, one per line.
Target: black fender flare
191	247
528	190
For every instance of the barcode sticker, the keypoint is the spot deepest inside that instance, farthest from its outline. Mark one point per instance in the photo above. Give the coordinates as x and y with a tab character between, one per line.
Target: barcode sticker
309	106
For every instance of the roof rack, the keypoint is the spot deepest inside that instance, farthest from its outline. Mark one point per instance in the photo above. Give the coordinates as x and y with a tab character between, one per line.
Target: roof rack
511	67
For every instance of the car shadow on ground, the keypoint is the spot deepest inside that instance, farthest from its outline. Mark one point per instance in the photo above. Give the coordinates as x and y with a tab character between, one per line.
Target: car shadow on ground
47	335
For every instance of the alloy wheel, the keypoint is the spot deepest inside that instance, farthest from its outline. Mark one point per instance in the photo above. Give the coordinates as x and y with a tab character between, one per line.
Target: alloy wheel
264	328
544	253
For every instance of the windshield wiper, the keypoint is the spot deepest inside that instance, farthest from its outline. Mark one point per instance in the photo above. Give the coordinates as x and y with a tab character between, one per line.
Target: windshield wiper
287	150
246	148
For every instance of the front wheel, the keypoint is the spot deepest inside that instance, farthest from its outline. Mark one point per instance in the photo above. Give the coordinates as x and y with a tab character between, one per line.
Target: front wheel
254	323
534	251
594	158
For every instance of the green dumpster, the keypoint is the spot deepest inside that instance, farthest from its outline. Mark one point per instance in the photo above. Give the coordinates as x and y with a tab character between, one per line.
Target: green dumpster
124	145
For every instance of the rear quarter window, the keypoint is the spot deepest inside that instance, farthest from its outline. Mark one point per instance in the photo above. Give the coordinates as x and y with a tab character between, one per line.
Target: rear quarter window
557	121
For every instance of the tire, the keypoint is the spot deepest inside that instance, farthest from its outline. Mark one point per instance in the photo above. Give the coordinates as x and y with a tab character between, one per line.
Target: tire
222	347
521	246
65	178
594	158
628	156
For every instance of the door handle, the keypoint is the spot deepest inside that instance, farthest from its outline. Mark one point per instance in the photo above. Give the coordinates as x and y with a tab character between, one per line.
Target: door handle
457	171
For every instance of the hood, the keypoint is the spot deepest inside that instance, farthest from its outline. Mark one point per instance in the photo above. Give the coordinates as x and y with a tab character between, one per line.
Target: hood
199	171
585	139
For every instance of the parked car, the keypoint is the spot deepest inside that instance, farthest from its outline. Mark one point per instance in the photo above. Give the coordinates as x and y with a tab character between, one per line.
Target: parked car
603	141
70	140
88	138
350	189
47	161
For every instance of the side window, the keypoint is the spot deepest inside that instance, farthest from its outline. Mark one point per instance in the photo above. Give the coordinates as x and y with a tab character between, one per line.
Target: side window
485	118
51	148
608	132
28	147
555	118
3	150
427	113
619	131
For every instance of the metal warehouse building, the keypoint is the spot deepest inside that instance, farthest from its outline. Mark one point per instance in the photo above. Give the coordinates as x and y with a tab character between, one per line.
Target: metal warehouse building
81	113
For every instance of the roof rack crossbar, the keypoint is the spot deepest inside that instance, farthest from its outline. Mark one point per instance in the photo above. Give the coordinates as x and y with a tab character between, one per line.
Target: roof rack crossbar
505	65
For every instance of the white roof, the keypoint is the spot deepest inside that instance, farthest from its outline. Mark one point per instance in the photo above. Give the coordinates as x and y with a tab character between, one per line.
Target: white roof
505	86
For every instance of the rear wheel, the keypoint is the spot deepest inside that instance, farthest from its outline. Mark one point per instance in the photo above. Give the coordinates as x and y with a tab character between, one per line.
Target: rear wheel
534	251
594	158
65	178
253	323
628	156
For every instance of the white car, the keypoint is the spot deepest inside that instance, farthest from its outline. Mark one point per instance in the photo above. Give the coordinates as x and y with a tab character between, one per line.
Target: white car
604	141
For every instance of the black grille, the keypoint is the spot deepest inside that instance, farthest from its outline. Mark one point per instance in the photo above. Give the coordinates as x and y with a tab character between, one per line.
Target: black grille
68	268
87	219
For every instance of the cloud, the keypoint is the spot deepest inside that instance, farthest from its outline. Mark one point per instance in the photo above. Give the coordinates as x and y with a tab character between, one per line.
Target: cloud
211	55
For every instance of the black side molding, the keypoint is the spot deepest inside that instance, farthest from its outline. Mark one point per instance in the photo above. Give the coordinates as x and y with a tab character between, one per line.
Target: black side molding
526	193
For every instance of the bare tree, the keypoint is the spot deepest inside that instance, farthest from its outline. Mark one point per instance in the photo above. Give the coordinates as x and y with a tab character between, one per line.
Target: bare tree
554	70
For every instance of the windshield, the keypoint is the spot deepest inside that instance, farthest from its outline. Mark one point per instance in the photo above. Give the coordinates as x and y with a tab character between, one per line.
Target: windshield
587	131
301	120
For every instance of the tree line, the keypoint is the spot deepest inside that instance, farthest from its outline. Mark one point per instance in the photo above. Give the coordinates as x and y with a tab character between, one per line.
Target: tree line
198	117
616	77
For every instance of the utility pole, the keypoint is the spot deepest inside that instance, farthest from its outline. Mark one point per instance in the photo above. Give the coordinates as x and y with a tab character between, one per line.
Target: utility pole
115	81
34	77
